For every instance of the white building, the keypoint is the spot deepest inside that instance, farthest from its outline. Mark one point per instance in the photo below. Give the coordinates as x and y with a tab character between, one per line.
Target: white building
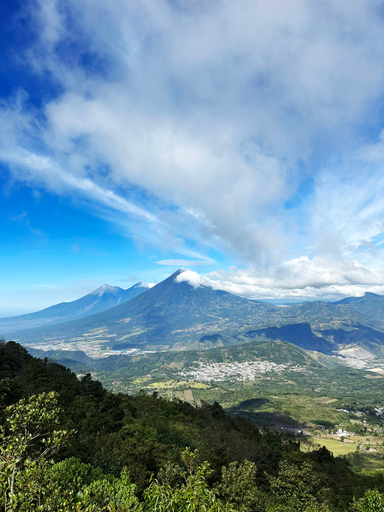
340	432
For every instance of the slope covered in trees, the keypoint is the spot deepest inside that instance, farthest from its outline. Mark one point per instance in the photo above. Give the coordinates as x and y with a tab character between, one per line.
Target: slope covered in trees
68	444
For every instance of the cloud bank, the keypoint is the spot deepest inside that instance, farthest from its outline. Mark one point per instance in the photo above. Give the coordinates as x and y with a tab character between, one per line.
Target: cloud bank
297	280
251	128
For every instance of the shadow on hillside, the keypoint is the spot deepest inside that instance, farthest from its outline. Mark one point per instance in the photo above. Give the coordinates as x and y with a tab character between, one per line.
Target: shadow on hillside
262	418
251	404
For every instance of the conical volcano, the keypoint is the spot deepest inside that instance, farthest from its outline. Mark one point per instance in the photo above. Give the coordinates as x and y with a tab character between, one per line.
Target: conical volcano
172	314
101	299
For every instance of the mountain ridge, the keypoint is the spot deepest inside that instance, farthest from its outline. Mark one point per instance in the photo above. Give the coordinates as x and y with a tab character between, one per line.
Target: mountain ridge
368	296
178	315
171	309
98	300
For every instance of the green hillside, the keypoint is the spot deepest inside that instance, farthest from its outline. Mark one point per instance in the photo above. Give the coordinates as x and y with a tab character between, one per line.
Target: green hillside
82	448
276	384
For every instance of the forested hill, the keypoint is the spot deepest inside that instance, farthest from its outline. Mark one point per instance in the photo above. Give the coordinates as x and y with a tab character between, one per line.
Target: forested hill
83	448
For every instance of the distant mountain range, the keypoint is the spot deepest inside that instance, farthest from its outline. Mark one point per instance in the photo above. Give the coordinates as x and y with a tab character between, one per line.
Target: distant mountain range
170	315
368	297
178	316
99	300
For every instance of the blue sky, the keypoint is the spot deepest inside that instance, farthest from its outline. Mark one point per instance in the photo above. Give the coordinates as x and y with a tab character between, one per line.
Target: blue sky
244	141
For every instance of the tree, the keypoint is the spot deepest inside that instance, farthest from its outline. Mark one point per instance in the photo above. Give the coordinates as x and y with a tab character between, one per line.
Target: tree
29	478
111	494
296	489
372	501
181	489
30	437
238	487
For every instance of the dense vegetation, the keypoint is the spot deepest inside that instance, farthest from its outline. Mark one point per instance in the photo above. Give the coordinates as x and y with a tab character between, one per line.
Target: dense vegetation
314	397
67	444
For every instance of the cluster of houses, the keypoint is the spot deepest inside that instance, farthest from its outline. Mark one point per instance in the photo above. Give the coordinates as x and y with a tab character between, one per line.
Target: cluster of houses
233	371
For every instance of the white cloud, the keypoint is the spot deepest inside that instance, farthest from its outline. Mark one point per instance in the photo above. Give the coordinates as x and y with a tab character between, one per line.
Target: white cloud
148	285
216	109
194	279
35	168
298	279
347	209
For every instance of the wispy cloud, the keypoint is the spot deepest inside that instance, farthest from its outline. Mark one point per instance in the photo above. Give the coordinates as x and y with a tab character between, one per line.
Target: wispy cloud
36	168
23	218
175	133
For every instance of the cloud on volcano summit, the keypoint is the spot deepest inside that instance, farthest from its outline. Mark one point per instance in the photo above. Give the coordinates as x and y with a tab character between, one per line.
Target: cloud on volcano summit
295	280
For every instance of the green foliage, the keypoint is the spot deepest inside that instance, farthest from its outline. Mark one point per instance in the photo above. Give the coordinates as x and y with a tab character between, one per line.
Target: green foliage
238	487
31	435
193	492
37	488
31	481
372	501
34	490
245	468
142	457
73	474
296	489
114	494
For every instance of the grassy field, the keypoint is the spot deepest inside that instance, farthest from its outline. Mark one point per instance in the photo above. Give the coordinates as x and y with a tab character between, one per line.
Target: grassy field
335	446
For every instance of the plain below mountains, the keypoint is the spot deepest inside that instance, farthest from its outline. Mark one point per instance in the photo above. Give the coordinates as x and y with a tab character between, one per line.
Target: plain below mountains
99	300
176	315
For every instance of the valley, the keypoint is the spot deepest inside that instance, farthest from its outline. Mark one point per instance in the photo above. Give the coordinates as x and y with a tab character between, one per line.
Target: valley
308	370
275	384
